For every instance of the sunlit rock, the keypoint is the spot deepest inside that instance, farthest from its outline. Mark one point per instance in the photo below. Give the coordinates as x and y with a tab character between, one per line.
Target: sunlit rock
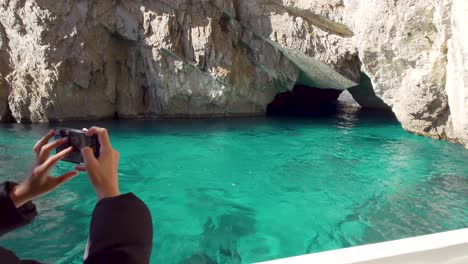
98	59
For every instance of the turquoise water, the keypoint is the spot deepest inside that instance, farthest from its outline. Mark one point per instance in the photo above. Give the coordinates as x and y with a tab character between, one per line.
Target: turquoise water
254	189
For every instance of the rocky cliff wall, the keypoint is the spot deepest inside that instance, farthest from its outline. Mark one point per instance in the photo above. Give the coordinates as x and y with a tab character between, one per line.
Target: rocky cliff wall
82	59
92	59
457	70
403	49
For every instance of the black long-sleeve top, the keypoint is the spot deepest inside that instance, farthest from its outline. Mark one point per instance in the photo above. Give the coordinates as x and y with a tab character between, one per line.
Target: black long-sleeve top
121	229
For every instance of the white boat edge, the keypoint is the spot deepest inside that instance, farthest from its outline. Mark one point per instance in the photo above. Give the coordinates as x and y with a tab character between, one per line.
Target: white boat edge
448	247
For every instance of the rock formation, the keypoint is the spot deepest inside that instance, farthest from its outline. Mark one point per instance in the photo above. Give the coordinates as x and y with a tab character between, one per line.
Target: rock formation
364	94
83	59
456	84
403	47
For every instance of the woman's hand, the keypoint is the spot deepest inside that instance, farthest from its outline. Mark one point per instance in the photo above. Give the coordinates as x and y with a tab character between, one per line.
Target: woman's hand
103	171
39	181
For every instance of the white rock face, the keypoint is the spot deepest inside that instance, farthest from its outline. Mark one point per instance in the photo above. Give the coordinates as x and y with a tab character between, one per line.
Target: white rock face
402	46
94	59
457	70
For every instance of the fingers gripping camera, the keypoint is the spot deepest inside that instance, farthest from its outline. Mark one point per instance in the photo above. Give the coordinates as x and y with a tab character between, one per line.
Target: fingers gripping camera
78	140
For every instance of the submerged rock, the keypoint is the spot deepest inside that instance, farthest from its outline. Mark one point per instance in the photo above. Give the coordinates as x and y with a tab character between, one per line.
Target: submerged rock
97	59
198	259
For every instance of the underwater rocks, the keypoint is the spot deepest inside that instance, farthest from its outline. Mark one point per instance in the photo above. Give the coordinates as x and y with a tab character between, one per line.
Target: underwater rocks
98	59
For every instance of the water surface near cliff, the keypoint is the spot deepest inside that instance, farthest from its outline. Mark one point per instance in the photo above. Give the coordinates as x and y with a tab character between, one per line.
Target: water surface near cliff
254	189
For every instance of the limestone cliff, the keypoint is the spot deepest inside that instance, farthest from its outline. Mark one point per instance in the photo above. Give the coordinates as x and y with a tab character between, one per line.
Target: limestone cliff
456	84
82	59
403	47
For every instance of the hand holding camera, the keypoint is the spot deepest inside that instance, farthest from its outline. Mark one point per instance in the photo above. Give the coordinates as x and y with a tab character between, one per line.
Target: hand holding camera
102	171
91	147
39	181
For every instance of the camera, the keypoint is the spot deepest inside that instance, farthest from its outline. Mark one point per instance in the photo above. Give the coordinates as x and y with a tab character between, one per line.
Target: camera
78	140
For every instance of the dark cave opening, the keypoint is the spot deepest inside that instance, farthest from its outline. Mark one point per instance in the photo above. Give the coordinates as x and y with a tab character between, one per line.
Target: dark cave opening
305	101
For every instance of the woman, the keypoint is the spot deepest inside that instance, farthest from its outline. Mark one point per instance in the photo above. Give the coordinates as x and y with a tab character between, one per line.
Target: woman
121	229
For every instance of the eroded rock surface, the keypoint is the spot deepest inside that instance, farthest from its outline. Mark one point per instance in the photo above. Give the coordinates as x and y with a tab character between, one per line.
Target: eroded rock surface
94	59
365	96
88	59
403	49
457	70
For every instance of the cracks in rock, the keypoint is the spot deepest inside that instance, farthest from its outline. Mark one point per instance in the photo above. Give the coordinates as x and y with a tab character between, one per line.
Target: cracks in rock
229	87
150	90
5	50
8	116
442	121
237	9
223	22
18	21
177	33
5	70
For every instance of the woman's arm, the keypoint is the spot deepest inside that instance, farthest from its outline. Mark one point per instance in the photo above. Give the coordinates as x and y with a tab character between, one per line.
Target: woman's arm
16	208
121	231
121	228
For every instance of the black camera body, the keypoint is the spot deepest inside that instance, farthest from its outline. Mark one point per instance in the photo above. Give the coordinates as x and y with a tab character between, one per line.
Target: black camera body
78	140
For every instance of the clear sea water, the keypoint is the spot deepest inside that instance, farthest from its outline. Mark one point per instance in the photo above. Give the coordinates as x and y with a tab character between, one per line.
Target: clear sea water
254	189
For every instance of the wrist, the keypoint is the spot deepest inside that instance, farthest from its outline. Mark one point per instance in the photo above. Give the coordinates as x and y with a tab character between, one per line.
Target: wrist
108	193
18	195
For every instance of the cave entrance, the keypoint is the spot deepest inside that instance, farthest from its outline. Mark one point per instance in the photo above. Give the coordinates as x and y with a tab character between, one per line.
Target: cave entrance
305	101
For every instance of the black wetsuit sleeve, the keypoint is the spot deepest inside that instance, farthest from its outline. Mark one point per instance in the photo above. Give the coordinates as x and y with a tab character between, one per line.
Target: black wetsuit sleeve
7	256
12	218
121	231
